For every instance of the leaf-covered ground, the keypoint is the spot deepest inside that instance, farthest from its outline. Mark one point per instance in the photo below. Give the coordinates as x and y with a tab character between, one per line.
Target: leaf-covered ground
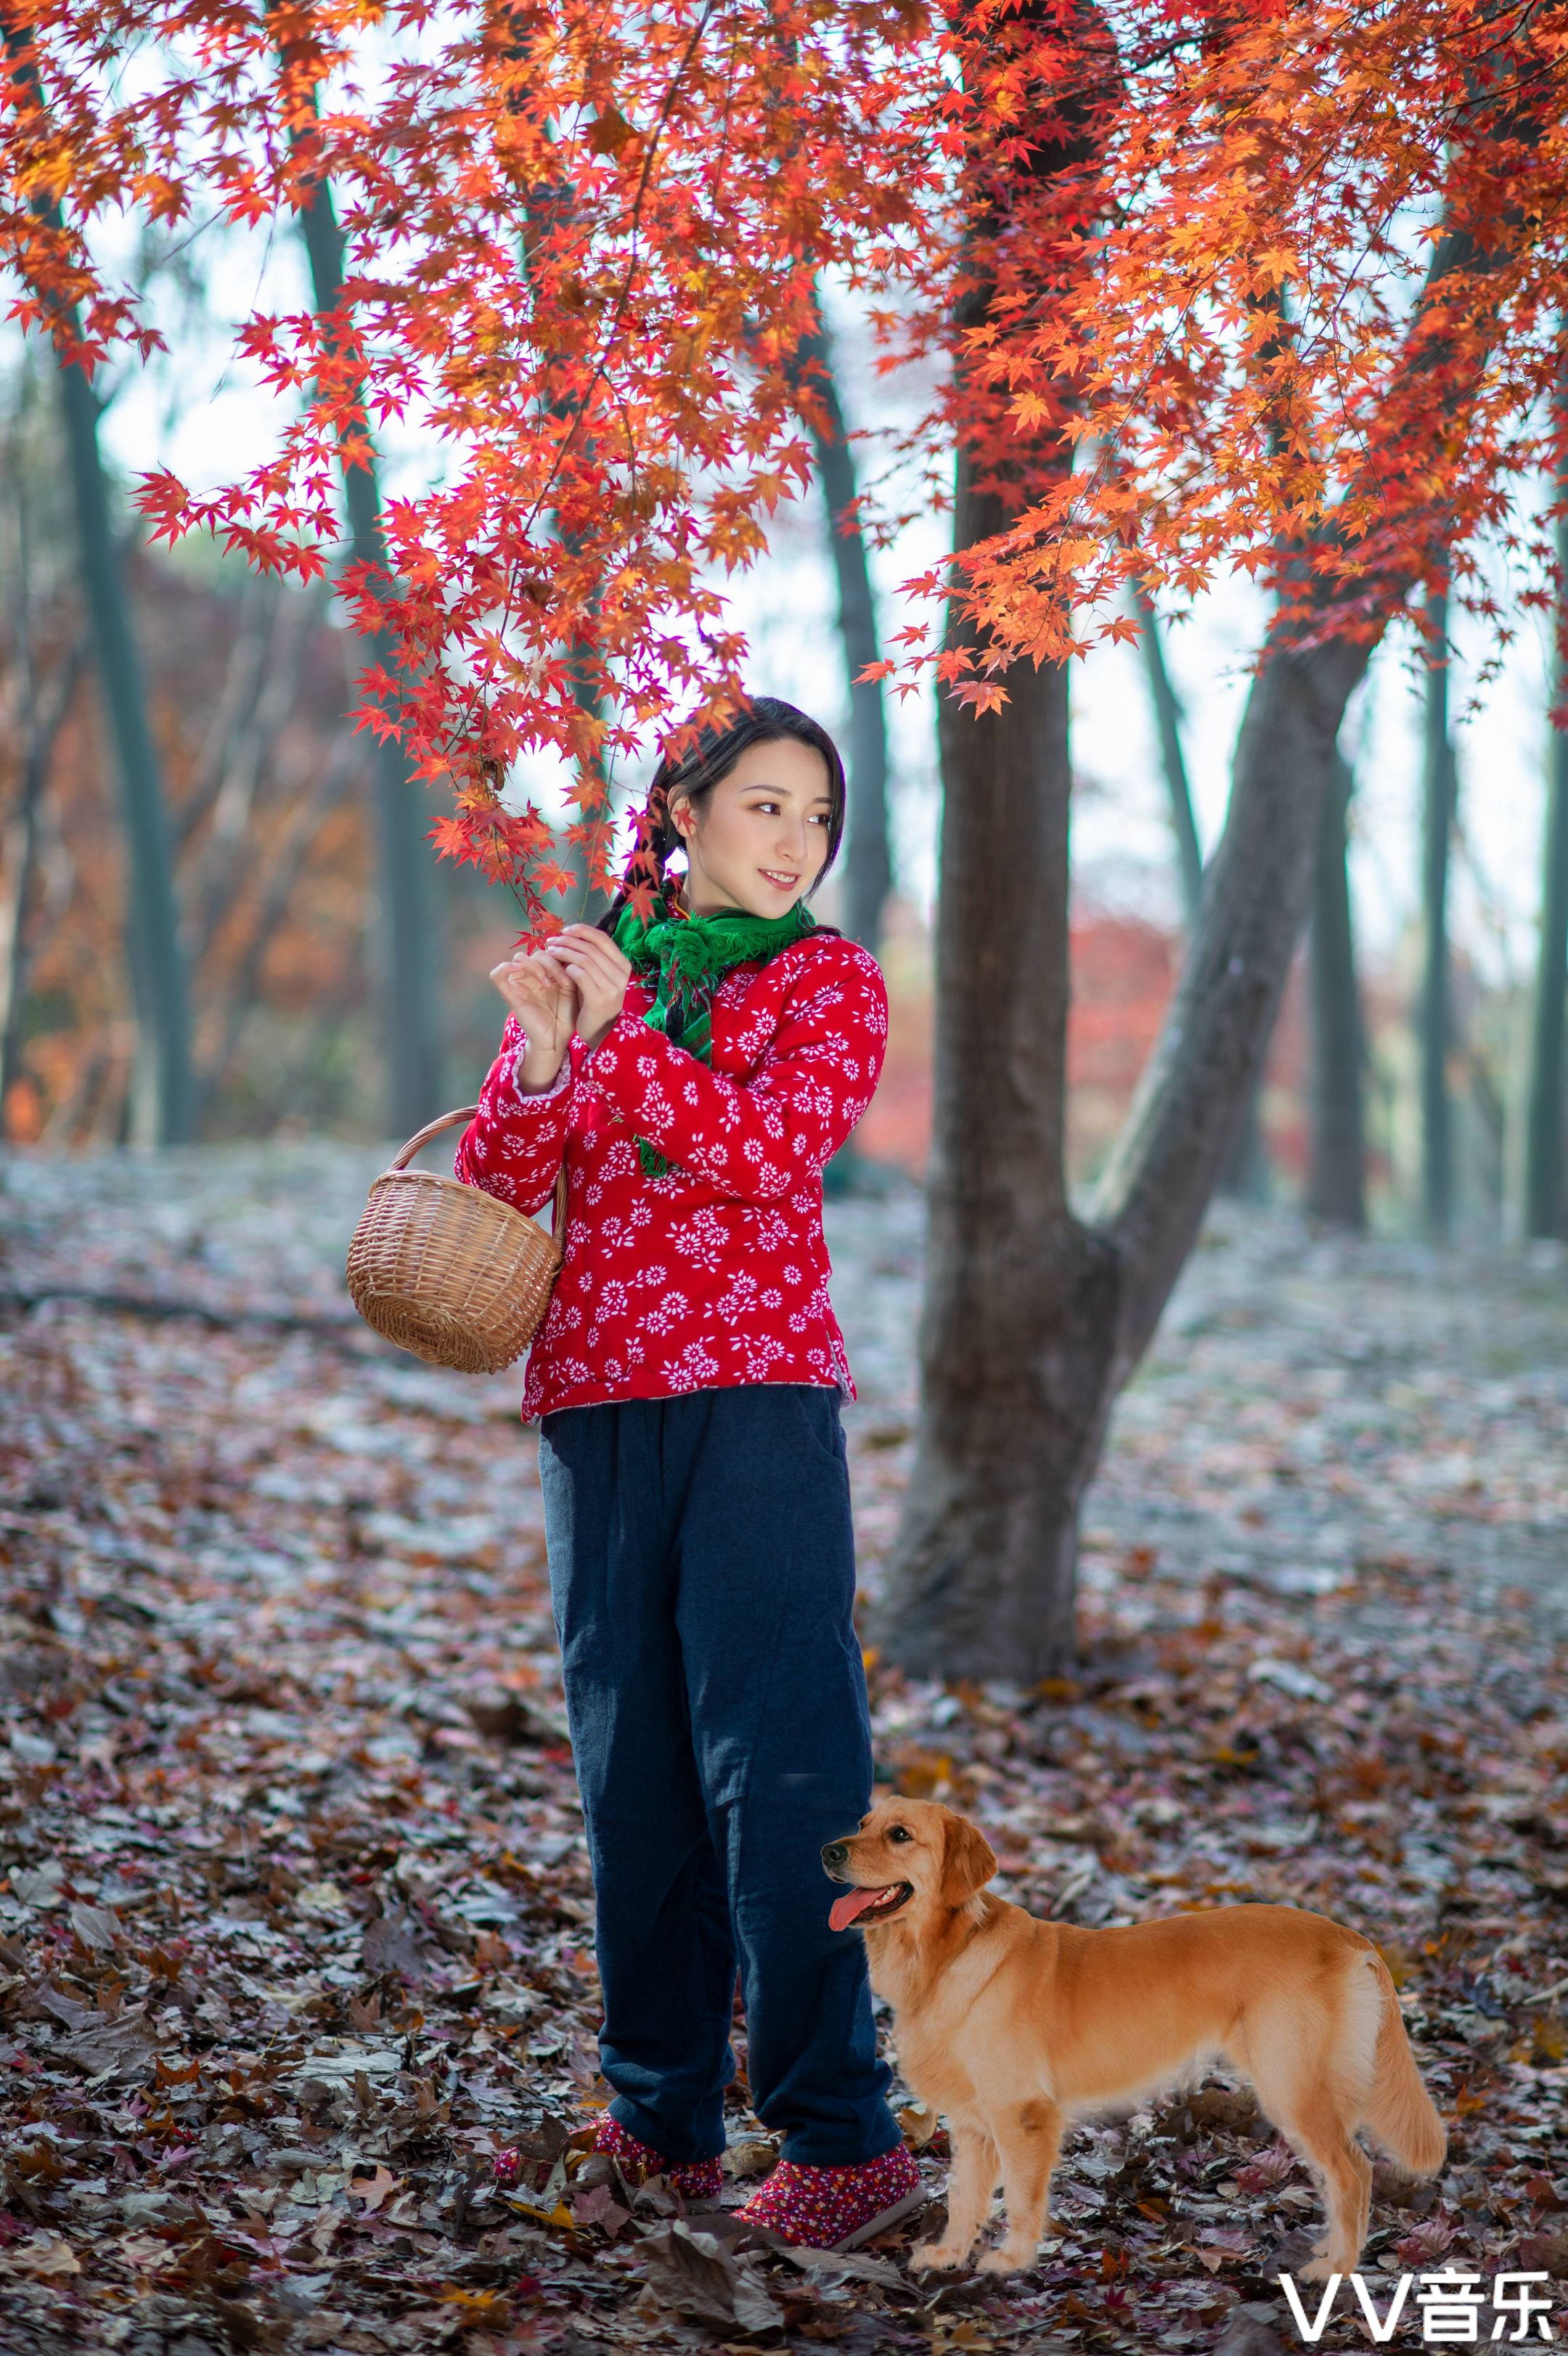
295	1922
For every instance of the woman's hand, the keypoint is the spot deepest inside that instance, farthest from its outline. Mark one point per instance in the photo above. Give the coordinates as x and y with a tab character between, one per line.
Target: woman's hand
599	972
543	997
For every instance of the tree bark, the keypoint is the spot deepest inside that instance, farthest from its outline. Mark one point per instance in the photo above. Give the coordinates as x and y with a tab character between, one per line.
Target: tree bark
40	732
1336	1183
162	1097
1545	1196
1433	1016
1192	1095
1020	1316
1246	1174
407	950
868	864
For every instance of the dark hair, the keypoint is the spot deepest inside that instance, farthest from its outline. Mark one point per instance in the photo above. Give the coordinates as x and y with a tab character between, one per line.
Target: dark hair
765	720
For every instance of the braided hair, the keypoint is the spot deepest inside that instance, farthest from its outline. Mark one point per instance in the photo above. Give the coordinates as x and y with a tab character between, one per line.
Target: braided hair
763	720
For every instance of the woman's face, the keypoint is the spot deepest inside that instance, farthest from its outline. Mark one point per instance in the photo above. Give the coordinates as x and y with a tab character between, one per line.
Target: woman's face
759	840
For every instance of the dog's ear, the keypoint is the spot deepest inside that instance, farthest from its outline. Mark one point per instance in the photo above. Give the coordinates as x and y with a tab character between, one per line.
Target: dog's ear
969	1862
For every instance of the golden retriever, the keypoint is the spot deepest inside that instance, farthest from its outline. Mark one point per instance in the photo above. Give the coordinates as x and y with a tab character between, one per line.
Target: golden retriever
1010	2027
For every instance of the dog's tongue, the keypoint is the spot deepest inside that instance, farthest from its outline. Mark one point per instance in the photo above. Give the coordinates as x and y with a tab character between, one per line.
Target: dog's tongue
853	1903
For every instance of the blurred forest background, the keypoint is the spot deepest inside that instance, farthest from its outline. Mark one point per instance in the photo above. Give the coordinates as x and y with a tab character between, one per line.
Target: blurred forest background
1416	1082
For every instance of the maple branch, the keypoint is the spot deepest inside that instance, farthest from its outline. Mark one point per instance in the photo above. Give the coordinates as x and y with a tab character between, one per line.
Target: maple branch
600	366
1197	1082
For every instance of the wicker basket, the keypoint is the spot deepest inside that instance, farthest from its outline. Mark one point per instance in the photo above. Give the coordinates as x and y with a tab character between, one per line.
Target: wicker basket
445	1270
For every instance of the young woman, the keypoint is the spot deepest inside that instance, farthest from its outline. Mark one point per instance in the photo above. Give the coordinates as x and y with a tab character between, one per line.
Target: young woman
697	1073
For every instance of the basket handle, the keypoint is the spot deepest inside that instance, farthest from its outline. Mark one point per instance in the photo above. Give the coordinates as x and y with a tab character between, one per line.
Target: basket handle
464	1114
432	1129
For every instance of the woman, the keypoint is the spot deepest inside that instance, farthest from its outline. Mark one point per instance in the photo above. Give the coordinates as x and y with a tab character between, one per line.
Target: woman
697	1073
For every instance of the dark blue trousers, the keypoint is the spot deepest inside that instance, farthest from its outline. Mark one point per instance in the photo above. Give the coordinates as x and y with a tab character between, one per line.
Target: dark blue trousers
702	1569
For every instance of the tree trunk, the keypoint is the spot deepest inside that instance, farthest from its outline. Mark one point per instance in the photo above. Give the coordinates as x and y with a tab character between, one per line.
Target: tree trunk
1167	718
41	731
868	865
21	860
162	1094
1019	1318
1033	1319
590	902
407	959
1545	1196
161	1101
1246	1174
1336	1182
1192	1095
1433	1021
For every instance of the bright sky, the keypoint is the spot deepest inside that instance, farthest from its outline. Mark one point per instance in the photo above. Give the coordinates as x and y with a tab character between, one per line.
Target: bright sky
195	411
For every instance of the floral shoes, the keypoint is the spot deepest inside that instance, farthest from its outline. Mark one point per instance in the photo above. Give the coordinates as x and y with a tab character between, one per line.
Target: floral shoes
698	2179
836	2208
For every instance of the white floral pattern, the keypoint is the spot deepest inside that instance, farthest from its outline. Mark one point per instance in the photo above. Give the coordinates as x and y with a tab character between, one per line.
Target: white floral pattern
720	1266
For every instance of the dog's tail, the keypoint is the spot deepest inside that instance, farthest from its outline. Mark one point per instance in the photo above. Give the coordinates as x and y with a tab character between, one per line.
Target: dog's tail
1398	2108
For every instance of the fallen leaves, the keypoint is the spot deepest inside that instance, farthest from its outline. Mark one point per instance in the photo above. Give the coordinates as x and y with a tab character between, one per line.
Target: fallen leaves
341	1959
372	2191
46	2257
691	2272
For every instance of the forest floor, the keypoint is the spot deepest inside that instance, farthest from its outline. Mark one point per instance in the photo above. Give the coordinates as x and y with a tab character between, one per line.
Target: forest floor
295	1921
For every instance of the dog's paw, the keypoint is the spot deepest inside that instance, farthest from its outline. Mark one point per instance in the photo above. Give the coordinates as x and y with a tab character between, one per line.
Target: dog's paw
1007	2260
937	2254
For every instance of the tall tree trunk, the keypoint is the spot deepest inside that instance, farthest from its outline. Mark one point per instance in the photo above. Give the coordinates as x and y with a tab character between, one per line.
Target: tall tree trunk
408	959
40	730
1246	1174
868	864
161	1100
1019	1319
1167	717
1433	1020
1033	1318
1192	1094
1336	1181
1545	1195
162	1097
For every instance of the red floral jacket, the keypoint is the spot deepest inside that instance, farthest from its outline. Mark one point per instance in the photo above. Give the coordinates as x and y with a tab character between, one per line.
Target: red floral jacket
716	1273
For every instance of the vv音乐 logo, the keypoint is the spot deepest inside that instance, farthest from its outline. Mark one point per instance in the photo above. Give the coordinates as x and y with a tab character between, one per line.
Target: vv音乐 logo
1449	2304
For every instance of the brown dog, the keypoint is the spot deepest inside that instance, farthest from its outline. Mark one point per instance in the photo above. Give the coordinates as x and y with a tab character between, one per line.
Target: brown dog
1010	2027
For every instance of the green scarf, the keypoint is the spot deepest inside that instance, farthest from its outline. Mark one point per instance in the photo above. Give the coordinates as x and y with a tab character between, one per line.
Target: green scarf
692	955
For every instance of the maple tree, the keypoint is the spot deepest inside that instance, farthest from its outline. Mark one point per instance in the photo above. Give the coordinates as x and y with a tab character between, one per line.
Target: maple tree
1344	493
556	266
581	245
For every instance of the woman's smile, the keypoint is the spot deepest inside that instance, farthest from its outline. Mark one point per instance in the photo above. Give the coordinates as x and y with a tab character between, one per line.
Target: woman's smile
779	787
